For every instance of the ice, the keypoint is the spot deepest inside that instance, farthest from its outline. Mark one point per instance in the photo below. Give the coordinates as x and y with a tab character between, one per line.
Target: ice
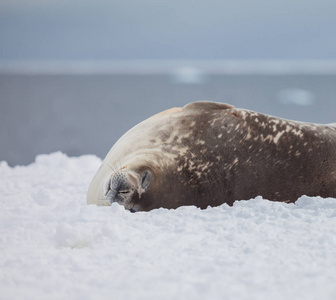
189	75
54	246
295	96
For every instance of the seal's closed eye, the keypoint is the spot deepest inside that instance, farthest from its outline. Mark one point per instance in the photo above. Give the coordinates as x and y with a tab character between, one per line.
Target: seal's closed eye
124	192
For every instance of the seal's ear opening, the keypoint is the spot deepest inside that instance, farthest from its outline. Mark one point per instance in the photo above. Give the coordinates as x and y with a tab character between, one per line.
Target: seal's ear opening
145	179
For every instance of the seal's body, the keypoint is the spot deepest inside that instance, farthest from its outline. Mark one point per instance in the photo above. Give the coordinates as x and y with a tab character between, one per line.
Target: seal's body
210	153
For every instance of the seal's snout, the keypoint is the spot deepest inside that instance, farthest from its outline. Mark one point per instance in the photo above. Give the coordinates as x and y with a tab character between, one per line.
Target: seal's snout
126	187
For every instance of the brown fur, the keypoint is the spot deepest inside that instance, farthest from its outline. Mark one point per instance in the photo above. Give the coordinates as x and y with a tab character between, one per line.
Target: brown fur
222	154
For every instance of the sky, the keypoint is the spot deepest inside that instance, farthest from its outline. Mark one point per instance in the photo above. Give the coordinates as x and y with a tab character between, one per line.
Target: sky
167	29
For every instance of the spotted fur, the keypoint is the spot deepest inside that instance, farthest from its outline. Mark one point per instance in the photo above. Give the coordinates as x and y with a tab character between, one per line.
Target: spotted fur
210	153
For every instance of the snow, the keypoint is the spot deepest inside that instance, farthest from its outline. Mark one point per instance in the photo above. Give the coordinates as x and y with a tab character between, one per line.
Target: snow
54	246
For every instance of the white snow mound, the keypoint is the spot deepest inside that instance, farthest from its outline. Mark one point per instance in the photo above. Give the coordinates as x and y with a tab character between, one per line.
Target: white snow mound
54	246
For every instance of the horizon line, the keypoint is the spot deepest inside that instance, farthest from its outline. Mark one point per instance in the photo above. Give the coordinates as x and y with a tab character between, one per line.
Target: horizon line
169	67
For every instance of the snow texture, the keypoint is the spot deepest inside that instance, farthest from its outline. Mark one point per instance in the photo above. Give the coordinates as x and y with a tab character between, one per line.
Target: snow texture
54	246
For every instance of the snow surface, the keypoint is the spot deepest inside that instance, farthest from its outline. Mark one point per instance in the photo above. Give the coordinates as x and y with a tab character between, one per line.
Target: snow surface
54	246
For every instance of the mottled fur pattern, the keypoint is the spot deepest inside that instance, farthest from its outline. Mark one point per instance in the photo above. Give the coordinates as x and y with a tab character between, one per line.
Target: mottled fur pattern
210	153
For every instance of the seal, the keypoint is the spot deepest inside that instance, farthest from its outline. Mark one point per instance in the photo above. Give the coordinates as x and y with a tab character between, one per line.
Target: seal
208	153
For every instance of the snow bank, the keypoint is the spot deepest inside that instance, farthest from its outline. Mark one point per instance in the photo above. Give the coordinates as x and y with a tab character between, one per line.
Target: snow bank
54	246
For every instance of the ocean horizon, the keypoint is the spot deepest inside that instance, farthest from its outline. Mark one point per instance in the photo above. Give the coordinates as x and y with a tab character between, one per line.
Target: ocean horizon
167	66
84	107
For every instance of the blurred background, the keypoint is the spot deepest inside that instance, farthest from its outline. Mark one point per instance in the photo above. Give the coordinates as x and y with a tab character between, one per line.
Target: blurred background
76	75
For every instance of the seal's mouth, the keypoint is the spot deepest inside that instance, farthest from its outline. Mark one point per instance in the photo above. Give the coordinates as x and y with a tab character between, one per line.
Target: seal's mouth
110	197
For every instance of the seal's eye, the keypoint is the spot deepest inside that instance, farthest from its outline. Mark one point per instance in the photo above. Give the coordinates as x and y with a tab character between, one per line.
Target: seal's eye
124	192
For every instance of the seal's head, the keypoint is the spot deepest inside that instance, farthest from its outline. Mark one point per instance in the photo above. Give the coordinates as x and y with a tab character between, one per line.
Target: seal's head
126	187
135	168
162	162
132	181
